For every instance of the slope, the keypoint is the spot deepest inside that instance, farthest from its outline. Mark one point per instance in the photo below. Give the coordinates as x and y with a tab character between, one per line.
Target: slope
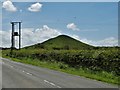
62	42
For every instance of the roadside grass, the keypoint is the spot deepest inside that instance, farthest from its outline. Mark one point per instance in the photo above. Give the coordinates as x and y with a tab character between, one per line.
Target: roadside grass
0	53
59	66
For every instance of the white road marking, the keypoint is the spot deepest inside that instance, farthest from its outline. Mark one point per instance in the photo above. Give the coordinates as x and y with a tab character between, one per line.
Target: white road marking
7	64
19	69
46	81
52	84
59	87
26	72
29	73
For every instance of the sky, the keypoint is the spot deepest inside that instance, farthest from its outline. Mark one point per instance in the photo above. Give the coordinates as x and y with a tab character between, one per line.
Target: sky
94	23
64	0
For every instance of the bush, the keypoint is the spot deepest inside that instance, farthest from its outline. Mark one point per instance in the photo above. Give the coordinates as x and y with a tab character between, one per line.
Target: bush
95	60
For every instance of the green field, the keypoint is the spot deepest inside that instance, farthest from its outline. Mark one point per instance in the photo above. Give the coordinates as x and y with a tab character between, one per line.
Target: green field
66	54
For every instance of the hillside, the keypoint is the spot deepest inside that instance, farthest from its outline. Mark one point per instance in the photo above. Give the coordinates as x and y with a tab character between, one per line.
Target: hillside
62	42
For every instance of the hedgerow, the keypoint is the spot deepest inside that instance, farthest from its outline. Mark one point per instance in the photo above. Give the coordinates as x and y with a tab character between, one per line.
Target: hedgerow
95	60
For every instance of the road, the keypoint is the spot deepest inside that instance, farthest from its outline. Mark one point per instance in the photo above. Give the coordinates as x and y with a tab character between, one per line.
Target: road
18	75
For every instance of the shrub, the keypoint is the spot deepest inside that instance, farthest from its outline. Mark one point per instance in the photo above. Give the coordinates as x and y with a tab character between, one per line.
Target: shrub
95	60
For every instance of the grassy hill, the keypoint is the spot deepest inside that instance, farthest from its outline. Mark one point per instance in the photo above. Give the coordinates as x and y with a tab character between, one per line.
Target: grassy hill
62	42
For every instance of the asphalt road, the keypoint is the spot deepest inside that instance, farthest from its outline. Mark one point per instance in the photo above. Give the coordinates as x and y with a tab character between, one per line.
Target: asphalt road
0	74
18	75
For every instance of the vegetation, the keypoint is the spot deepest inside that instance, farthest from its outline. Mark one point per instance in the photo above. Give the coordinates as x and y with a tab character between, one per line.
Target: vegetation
72	56
61	42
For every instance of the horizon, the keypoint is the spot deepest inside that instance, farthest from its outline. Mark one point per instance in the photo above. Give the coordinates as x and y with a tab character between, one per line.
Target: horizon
93	23
59	36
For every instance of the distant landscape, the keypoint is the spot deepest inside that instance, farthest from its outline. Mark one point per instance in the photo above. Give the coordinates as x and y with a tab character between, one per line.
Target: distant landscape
59	44
69	55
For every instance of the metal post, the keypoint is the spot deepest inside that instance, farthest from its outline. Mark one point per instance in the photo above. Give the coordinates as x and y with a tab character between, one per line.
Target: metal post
13	41
19	35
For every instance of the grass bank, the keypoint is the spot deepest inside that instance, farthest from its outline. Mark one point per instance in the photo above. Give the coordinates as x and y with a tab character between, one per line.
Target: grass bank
59	66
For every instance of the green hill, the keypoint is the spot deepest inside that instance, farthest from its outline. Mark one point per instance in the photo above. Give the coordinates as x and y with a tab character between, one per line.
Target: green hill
62	42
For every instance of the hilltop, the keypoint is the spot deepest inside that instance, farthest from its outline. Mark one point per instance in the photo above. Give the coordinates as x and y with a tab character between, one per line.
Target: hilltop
62	42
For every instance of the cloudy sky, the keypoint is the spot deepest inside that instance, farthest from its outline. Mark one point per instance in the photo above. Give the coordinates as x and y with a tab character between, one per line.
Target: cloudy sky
95	23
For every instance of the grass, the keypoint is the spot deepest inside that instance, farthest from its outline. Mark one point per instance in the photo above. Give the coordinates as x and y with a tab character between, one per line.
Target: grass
100	76
0	53
61	42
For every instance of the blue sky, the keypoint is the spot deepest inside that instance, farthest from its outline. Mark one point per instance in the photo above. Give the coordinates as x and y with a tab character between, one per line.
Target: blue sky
95	23
65	0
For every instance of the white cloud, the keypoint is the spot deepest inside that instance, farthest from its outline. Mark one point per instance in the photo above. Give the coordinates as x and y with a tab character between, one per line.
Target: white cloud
35	7
72	26
75	37
110	41
5	37
8	5
30	36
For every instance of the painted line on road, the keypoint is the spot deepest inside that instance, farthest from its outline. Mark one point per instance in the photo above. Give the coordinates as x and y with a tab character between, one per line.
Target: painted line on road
59	87
26	72
49	83
29	73
20	70
8	64
32	75
52	83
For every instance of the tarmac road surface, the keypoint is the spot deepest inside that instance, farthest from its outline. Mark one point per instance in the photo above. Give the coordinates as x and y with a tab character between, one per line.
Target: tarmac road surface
19	75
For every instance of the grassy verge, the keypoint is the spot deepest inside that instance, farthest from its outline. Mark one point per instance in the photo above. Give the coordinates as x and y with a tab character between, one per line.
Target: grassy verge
0	53
100	76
